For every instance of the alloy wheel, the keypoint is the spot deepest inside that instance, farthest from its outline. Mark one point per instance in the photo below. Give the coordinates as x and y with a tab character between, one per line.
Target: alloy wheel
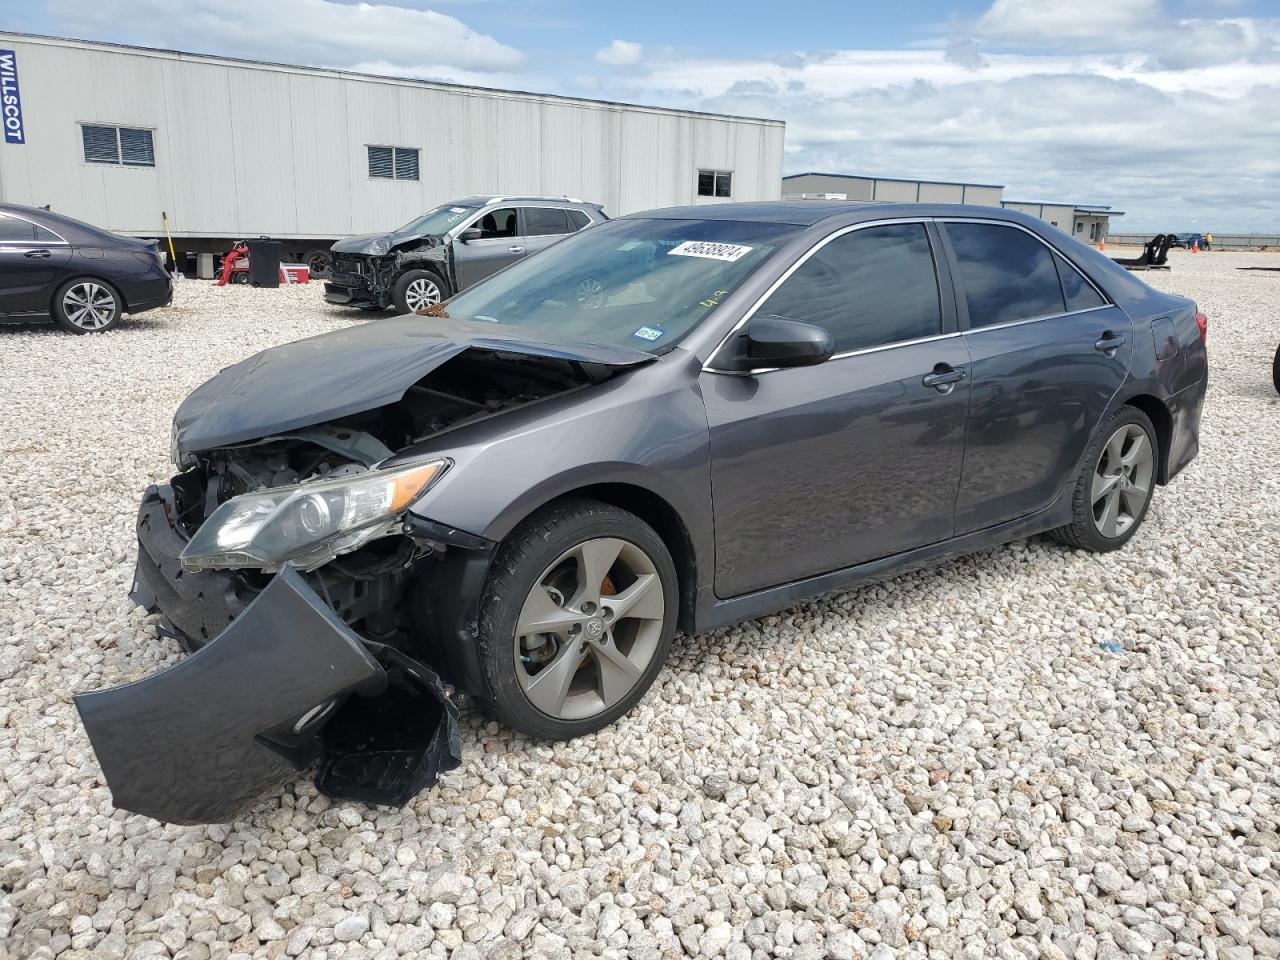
1122	481
89	305
421	293
589	628
590	294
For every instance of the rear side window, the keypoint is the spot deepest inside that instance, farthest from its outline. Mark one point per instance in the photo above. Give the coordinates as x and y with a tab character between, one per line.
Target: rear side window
869	288
12	229
543	221
578	219
1079	292
1006	274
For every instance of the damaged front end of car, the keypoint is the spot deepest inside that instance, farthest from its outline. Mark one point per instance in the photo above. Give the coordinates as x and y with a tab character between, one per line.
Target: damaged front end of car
364	272
300	566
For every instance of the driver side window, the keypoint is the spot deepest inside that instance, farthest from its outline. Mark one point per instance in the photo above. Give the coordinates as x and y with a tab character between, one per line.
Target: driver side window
497	224
869	288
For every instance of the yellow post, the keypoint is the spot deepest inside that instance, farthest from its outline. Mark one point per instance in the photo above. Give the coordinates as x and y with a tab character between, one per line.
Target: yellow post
173	257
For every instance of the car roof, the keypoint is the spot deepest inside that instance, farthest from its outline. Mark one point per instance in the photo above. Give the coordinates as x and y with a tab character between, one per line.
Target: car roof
503	198
805	213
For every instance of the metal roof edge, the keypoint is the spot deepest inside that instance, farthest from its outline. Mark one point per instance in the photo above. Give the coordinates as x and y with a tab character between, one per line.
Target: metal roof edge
338	72
867	176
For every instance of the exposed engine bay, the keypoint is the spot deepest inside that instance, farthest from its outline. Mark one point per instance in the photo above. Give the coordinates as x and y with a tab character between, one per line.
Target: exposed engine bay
374	276
365	587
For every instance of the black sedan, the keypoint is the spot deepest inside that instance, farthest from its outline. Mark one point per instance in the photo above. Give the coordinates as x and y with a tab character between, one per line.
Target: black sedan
522	493
83	278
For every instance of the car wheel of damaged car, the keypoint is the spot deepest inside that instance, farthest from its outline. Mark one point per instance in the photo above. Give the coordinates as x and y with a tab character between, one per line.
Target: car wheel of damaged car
1114	489
87	305
577	619
416	290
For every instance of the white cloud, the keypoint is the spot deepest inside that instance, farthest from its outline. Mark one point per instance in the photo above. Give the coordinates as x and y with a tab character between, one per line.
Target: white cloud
312	32
1171	147
620	53
1112	26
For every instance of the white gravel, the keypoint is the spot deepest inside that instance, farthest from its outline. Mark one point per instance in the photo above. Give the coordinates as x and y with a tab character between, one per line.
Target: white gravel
944	765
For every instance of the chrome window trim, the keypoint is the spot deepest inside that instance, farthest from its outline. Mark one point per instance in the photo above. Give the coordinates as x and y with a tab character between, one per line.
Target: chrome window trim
34	244
751	311
1039	319
1107	301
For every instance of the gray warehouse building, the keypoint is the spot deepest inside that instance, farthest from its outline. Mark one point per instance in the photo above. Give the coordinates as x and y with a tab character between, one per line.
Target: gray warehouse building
230	149
1086	222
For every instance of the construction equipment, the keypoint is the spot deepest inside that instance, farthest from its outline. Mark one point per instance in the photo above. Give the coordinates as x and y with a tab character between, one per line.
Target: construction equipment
235	268
1155	253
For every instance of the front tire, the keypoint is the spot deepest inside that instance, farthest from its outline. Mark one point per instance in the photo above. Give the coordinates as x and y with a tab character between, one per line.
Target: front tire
418	289
87	305
1114	489
576	619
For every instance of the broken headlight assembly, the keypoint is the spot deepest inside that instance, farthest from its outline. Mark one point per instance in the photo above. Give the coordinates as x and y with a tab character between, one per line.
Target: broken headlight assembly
307	524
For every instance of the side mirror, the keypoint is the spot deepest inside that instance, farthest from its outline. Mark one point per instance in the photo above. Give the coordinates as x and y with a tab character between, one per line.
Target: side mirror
769	341
471	233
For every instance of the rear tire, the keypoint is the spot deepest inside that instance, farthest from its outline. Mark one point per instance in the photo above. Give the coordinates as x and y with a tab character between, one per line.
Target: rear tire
606	640
87	305
418	289
1113	492
1275	370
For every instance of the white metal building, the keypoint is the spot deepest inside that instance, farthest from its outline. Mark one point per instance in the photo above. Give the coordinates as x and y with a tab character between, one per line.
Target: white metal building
230	148
1086	222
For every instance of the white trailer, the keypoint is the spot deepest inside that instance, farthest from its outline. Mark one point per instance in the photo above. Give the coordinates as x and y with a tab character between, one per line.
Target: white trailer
230	149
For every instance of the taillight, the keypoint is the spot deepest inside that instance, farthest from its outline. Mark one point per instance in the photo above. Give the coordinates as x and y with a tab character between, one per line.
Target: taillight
1203	323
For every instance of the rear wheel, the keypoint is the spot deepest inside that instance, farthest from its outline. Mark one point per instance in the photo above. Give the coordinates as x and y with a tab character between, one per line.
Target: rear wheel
577	619
418	289
87	305
1275	370
1114	489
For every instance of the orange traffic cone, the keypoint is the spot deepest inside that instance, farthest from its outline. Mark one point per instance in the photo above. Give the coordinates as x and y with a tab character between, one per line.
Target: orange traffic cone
1102	245
1195	246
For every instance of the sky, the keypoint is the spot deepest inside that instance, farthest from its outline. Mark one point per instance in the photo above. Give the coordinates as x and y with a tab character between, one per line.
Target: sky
1166	109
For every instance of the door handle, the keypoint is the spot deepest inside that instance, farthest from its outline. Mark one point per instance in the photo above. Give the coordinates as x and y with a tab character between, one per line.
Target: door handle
515	248
1109	343
944	378
37	254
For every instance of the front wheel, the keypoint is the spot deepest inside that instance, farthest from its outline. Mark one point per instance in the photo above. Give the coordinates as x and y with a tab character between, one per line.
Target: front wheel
87	305
576	619
1113	492
418	289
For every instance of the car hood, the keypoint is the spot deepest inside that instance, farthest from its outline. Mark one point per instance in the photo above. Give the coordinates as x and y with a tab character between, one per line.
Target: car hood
353	370
377	244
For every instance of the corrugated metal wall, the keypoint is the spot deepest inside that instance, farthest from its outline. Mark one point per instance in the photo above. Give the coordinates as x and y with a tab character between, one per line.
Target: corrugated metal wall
243	149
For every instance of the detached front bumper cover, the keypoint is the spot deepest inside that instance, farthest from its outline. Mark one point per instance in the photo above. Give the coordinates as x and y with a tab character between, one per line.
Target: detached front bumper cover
285	686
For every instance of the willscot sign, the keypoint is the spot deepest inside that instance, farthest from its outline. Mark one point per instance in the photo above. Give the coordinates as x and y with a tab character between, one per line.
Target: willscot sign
10	98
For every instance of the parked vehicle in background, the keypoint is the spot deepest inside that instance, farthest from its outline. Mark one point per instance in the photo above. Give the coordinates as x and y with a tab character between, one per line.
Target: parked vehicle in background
450	248
524	493
1188	240
84	279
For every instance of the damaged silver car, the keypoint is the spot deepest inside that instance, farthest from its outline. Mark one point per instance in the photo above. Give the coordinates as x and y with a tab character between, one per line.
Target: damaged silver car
520	495
450	248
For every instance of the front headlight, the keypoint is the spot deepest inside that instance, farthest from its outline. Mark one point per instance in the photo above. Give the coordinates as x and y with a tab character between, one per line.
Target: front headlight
308	524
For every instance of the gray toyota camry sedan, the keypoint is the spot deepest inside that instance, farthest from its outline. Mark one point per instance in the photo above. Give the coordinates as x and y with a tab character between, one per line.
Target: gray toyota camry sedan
521	495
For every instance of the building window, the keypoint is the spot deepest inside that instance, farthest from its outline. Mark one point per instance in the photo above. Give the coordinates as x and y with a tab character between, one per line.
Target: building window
715	183
123	146
393	163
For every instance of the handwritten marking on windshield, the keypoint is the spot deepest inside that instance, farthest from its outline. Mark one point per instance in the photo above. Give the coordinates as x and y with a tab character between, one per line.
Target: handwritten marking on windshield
728	252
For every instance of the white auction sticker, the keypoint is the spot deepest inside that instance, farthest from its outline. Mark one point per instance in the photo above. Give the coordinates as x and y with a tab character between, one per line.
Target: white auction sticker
728	252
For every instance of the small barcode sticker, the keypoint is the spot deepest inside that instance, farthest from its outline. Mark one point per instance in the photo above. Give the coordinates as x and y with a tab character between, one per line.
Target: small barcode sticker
728	252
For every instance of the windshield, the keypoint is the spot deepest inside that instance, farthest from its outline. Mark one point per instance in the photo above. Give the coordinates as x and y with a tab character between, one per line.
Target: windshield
438	221
635	283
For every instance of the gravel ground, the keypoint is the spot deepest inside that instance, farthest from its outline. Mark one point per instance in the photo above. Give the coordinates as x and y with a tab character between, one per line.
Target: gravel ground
948	764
